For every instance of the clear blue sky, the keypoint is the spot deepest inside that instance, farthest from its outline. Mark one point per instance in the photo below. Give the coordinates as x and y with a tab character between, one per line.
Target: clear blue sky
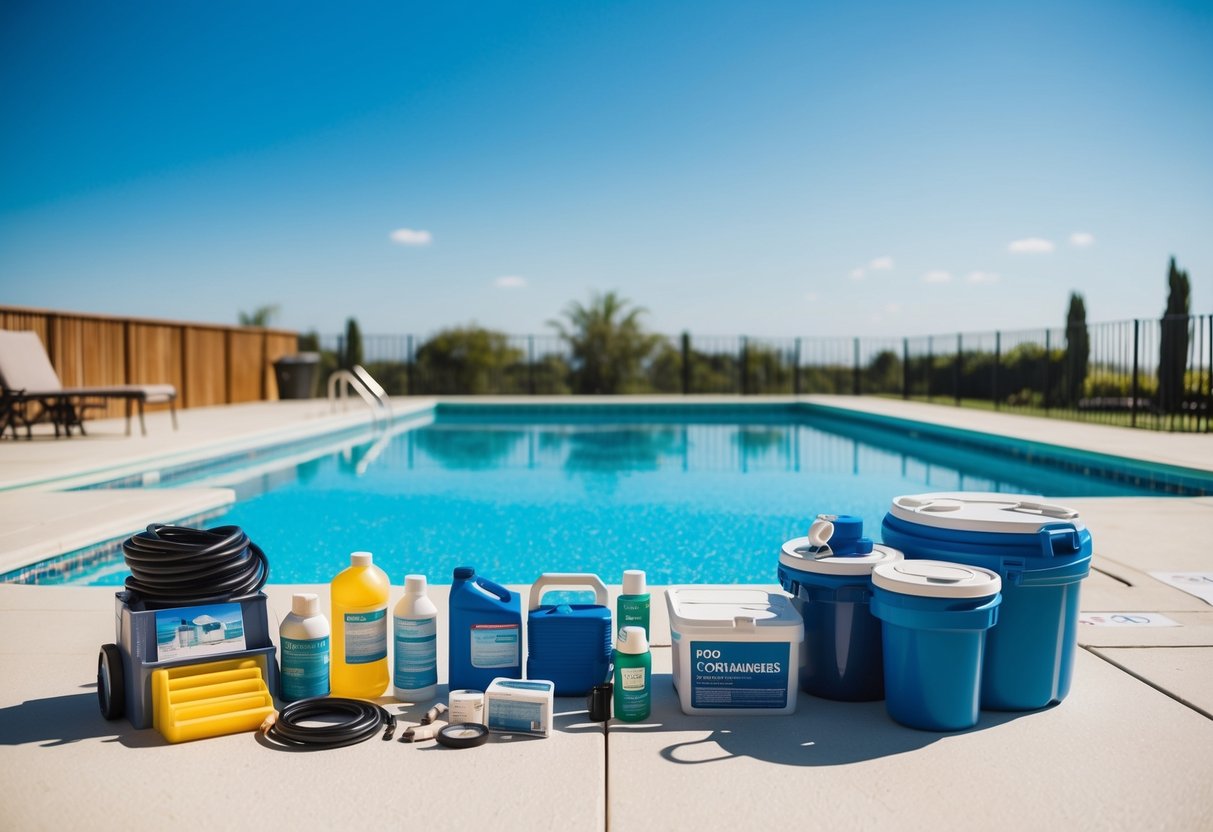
759	168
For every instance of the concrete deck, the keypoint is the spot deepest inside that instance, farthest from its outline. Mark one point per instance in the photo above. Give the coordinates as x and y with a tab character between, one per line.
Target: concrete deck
1131	747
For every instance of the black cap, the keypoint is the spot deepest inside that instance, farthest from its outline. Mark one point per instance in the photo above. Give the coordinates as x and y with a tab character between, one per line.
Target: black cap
463	573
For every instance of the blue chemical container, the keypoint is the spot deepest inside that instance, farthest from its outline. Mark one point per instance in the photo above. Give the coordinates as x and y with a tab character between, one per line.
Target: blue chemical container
828	574
1041	551
485	632
935	616
569	644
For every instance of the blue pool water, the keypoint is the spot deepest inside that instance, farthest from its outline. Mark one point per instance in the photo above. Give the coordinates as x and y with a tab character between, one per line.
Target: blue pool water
515	494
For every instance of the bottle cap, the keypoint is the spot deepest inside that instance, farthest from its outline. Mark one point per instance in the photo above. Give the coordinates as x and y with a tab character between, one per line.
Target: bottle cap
361	558
633	582
632	641
414	584
305	604
463	573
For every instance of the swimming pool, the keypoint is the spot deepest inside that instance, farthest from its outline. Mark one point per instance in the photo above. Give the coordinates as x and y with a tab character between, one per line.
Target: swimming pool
688	494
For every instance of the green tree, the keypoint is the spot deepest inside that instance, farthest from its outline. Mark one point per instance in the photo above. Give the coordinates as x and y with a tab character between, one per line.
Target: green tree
467	359
1078	350
1173	343
261	316
608	344
351	345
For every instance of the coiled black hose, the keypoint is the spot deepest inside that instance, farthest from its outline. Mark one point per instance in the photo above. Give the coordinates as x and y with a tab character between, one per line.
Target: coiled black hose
175	566
362	721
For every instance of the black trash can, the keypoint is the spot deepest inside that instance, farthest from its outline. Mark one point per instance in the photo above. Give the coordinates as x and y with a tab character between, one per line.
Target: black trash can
296	375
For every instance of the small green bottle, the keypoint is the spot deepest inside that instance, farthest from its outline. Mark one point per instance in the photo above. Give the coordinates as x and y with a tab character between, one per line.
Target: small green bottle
633	675
632	609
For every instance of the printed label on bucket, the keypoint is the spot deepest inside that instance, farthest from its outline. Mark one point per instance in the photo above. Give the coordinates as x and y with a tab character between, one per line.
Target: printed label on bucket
737	674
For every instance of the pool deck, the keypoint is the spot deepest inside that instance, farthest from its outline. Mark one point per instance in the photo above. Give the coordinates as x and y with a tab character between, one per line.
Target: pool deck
1130	748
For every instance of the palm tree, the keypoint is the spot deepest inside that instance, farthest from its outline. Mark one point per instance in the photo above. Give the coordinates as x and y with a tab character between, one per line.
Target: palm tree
607	341
261	316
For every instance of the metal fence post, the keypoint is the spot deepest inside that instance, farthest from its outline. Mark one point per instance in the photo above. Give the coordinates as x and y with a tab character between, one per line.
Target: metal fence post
956	368
855	369
1048	361
744	369
905	368
410	366
930	365
686	363
997	361
530	364
796	369
1133	389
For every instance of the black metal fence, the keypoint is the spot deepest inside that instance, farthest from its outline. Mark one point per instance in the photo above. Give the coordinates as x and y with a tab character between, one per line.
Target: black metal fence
1151	373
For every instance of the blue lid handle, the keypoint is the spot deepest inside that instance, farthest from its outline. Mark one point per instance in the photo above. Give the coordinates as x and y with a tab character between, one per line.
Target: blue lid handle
838	535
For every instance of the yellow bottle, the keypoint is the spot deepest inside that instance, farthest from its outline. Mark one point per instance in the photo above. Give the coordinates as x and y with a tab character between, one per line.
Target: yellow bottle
359	601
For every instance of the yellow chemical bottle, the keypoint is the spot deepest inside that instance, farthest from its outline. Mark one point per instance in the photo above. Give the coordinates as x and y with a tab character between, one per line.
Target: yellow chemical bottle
360	619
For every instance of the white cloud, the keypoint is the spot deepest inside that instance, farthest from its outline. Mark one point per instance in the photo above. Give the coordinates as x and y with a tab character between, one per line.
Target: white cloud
983	277
1082	239
857	274
412	237
884	312
510	281
937	276
811	297
881	264
1031	245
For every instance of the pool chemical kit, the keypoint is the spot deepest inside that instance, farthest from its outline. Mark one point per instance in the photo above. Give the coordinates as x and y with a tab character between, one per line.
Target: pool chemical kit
1040	550
569	644
193	655
415	640
633	675
519	706
935	618
735	649
828	573
303	637
632	606
359	596
485	636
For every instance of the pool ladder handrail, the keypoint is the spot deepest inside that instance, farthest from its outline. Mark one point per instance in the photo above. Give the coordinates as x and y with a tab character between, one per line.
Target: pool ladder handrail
362	383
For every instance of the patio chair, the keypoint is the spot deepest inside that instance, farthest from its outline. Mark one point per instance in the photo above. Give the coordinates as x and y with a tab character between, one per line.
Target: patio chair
33	393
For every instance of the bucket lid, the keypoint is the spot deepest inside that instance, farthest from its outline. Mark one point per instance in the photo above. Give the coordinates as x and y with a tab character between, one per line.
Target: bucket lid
799	553
729	607
936	579
983	512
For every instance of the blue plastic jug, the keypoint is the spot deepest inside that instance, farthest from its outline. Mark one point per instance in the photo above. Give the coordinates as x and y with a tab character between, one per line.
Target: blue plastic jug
485	632
1040	550
569	644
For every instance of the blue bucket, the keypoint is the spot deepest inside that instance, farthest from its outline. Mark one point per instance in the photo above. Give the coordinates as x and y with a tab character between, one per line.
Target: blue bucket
935	616
1041	551
828	574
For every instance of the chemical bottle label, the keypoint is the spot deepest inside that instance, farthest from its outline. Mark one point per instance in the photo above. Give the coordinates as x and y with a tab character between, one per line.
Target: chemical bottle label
632	678
495	645
365	636
305	667
739	674
416	653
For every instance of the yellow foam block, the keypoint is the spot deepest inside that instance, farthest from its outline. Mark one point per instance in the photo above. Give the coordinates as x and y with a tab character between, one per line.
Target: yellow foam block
211	699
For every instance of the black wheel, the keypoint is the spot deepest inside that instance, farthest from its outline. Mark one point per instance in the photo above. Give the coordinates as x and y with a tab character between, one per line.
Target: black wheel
111	682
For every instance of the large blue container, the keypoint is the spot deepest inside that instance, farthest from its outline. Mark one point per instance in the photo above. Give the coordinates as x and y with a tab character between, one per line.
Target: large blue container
485	632
935	616
1041	551
570	645
828	574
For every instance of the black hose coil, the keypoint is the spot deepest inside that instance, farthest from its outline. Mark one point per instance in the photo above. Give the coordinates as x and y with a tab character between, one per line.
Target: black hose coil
179	566
363	721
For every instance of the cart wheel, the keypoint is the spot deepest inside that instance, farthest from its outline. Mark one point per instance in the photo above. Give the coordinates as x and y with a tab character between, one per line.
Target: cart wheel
111	682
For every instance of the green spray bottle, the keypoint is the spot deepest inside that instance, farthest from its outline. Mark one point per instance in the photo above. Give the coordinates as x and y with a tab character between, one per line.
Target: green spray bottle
633	675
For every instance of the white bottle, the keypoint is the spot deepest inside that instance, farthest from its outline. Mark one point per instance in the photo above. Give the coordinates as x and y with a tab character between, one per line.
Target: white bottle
304	639
415	635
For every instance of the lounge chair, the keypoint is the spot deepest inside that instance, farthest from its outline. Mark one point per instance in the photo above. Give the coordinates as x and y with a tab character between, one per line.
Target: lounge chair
33	392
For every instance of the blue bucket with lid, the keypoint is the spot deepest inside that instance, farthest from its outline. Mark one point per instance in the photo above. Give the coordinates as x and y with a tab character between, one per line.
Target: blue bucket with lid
1042	551
828	573
934	618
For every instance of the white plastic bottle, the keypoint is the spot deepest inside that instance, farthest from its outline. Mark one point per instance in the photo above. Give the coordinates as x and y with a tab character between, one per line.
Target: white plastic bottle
304	640
415	629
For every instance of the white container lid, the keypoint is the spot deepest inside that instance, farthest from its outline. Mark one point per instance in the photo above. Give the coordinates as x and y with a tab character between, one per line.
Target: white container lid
414	584
976	511
361	558
305	604
632	641
730	607
633	582
936	579
800	553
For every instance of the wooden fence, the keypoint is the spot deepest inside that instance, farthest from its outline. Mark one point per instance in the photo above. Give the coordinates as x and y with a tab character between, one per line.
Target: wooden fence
208	364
